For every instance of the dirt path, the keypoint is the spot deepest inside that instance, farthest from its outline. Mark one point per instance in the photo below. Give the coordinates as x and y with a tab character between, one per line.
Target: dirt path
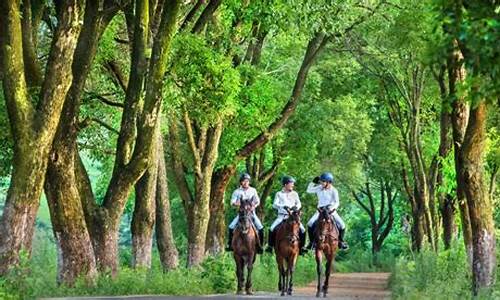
354	286
345	286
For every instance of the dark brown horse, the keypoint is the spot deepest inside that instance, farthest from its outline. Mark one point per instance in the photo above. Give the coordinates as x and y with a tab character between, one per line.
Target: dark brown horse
287	248
326	241
244	243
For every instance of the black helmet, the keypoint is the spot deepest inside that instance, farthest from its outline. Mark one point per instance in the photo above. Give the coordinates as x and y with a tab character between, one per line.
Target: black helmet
244	176
327	177
287	179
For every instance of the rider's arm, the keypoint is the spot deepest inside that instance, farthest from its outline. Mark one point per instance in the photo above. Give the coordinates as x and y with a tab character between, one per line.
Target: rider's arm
278	203
255	198
235	201
335	199
297	201
313	188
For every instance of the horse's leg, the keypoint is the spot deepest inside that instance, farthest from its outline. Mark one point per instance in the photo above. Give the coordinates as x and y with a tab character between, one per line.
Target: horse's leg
286	267
281	271
329	261
291	268
239	273
318	271
248	286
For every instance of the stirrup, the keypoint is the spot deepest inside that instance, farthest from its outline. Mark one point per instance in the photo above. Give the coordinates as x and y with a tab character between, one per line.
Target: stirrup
344	246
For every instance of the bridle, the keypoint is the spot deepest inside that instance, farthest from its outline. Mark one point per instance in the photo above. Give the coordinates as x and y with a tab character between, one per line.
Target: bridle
327	229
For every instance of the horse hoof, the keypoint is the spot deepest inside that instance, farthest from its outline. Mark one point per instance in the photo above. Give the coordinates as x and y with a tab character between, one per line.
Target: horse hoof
324	295
249	292
318	294
283	293
289	293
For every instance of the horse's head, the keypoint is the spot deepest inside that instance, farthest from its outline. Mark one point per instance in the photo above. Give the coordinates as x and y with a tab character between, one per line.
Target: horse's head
293	223
294	216
245	215
325	223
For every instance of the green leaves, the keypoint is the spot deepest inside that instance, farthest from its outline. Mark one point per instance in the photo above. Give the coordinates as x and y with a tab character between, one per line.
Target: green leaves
202	80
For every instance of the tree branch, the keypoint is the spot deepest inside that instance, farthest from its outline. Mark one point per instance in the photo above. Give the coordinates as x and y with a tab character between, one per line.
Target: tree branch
189	17
362	204
192	144
206	15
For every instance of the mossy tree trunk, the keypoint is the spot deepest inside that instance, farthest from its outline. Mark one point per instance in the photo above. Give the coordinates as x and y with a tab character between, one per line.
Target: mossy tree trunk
33	128
204	151
169	256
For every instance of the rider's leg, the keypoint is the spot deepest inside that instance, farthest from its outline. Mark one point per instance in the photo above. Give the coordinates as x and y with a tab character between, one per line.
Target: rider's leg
260	228
230	236
272	232
310	229
302	238
270	241
260	250
341	226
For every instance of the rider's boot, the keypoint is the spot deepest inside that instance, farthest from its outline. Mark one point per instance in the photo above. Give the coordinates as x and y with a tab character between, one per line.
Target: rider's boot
230	240
260	248
270	241
302	237
310	231
343	244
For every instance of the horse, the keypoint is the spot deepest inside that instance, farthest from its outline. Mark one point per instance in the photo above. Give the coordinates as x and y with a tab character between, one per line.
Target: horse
287	247
327	242
244	243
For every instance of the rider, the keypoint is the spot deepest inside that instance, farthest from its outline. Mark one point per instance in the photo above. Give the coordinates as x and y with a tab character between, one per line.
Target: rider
286	198
246	192
328	196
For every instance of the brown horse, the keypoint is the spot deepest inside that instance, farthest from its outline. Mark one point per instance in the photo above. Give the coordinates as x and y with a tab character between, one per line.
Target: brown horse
244	243
326	241
287	247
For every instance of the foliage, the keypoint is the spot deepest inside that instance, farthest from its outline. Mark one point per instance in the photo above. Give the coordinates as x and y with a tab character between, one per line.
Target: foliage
427	275
203	80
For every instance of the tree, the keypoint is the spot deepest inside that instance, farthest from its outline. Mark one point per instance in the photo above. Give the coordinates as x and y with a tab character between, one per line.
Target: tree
33	126
136	137
320	31
468	27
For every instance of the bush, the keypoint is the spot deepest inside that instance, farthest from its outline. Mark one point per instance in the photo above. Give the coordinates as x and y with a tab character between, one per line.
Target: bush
36	277
444	275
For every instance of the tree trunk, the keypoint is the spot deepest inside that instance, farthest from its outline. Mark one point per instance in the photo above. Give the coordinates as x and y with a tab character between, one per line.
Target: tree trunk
216	226
143	218
134	151
106	246
459	118
76	257
33	130
74	246
446	201
449	226
169	256
480	207
198	228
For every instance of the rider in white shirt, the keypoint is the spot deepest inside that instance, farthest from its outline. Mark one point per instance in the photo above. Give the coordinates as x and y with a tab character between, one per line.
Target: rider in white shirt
285	199
328	196
246	192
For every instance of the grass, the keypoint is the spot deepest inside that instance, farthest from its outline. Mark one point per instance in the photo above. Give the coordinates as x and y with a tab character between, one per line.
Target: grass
36	277
445	275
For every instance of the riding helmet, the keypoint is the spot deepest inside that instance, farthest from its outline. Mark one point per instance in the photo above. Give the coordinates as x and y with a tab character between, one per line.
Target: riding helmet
327	177
287	179
244	176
